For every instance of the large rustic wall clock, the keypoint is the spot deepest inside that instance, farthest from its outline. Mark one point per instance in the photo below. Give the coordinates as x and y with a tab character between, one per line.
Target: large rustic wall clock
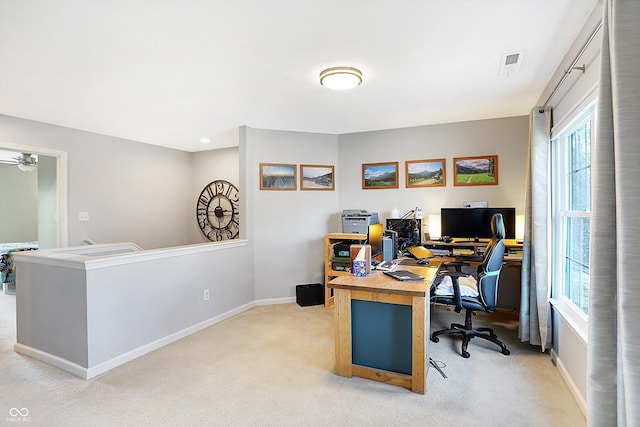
218	212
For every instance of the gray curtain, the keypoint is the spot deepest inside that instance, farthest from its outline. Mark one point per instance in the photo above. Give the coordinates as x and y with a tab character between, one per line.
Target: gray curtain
613	382
535	324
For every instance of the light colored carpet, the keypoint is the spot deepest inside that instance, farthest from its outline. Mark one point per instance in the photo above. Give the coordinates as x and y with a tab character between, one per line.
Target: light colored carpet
273	366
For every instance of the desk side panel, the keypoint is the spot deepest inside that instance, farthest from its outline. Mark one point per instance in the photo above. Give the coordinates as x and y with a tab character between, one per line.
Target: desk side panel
382	335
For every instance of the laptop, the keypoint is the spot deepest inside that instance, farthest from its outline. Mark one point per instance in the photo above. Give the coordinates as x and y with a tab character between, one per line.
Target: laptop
419	252
404	275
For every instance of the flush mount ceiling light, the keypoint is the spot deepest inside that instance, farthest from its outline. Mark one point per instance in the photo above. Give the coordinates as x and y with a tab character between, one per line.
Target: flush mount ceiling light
341	78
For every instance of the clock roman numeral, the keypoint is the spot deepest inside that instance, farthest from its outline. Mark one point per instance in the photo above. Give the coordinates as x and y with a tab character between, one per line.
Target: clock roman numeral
210	192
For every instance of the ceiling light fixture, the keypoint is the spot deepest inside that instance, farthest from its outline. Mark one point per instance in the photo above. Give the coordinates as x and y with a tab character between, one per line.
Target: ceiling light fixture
26	168
26	162
341	78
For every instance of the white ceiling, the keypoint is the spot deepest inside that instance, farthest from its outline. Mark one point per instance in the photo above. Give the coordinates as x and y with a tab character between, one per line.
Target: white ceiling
169	72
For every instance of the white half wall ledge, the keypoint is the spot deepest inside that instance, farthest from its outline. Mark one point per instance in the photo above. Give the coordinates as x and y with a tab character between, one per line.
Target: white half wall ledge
70	302
121	253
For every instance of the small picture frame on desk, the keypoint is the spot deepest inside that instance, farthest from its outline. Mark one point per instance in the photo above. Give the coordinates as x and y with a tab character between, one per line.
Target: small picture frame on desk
479	170
379	175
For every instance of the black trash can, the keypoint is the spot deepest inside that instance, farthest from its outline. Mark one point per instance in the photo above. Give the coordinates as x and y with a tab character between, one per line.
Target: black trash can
310	294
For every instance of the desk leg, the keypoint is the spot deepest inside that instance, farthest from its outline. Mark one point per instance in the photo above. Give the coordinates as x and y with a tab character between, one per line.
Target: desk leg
342	326
419	322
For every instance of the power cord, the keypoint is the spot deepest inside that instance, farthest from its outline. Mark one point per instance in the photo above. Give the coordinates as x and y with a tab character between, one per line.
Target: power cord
438	365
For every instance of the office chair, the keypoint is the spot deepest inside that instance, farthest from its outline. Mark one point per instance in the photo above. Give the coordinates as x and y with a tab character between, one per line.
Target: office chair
485	298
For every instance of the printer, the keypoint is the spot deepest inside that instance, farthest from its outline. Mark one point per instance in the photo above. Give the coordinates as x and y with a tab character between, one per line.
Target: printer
358	221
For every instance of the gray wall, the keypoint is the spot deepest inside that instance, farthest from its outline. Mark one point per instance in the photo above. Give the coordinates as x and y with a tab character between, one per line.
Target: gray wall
287	228
146	194
18	204
506	137
132	191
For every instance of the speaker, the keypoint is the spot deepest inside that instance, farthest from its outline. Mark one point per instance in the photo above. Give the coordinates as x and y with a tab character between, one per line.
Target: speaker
387	249
393	235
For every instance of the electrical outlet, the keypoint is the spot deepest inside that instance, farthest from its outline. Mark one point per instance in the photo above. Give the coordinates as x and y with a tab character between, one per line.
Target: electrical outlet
206	295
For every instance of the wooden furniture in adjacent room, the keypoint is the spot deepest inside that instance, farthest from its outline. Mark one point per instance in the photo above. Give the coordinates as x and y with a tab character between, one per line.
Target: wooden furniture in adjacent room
382	326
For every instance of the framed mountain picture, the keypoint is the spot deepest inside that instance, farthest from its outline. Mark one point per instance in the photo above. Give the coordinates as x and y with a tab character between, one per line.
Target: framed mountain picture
479	170
379	175
426	173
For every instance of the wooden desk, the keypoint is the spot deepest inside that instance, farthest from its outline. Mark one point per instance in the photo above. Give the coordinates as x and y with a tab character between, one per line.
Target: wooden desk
512	255
381	294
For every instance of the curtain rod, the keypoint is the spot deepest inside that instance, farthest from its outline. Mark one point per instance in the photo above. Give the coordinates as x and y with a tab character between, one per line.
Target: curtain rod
573	64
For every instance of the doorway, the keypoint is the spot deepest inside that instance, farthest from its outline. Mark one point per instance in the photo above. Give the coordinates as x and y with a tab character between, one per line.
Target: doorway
55	199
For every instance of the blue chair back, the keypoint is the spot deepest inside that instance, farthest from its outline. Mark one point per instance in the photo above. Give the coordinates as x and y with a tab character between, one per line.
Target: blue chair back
489	270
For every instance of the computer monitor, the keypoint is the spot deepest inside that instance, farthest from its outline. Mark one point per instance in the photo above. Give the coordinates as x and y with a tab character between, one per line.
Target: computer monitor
475	223
374	238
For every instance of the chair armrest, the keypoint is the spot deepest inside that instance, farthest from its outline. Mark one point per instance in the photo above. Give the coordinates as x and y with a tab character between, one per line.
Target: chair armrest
456	264
453	274
457	295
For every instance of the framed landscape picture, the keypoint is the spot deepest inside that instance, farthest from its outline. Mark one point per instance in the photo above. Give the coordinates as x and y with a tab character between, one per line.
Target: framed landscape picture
379	175
317	177
425	173
479	170
274	176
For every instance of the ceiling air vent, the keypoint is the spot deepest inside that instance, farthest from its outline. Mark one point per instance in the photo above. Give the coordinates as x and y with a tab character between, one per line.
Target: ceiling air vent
511	59
510	63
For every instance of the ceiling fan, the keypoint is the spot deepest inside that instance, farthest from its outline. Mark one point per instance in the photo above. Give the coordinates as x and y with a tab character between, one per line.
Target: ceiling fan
26	162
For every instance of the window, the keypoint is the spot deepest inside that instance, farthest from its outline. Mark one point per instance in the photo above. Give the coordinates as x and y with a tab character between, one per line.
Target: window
571	209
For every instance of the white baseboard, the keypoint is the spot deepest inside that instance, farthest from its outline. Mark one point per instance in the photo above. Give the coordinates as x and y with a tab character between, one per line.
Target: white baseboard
51	359
88	373
273	301
580	399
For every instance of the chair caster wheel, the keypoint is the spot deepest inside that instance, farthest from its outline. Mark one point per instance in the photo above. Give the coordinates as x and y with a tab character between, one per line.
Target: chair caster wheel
506	352
435	339
465	354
